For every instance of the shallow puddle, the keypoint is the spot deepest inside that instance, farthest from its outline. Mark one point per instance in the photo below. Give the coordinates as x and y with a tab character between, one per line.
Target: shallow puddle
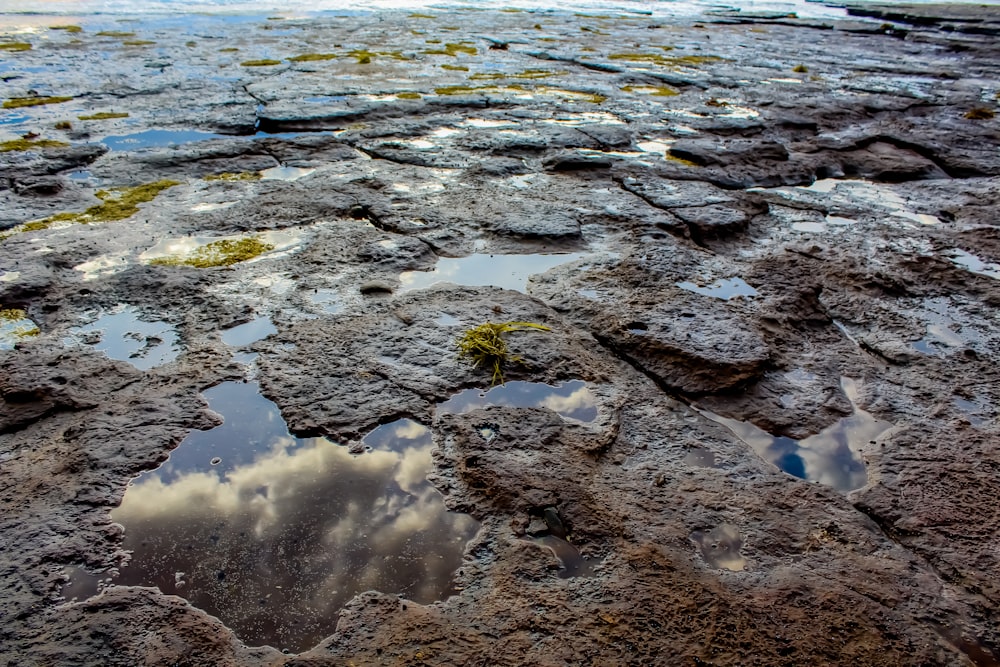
156	139
973	264
274	534
328	300
505	271
720	547
572	561
250	332
14	329
725	289
122	335
830	457
187	246
571	400
285	173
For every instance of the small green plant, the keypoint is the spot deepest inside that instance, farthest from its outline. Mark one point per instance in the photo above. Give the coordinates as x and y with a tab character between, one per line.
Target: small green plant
265	62
225	252
485	346
408	95
15	46
29	144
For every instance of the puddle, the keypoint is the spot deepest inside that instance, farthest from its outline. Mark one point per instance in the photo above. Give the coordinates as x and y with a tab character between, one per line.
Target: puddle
446	320
700	457
573	562
327	299
939	338
250	332
725	289
572	400
157	139
849	193
973	264
102	267
14	330
974	412
273	534
13	118
829	457
121	335
82	584
505	271
285	173
720	547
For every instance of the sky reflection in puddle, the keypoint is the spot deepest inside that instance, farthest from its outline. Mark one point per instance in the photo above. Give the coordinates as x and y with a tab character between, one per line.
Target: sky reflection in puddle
571	400
973	264
120	334
250	332
830	457
274	534
720	547
506	271
156	139
725	289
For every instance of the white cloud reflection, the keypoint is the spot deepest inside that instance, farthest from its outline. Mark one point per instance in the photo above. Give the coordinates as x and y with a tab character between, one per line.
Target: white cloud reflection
274	546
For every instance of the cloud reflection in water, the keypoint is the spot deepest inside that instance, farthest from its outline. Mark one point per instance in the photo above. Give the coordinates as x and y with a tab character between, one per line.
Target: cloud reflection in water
283	531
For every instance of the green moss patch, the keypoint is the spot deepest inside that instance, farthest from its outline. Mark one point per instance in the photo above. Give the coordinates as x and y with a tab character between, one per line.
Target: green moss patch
104	115
665	61
19	102
800	69
229	49
138	42
422	16
115	33
66	28
486	347
219	253
409	96
260	63
364	57
15	46
12	314
63	125
312	57
234	176
30	145
116	204
453	50
455	68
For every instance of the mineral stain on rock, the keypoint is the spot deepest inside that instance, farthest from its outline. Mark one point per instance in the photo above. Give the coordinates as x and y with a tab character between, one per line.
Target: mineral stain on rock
280	533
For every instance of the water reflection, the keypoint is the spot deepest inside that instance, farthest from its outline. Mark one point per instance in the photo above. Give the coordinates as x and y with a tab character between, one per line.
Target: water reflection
121	335
250	332
572	400
725	289
273	534
156	139
831	457
572	561
506	271
720	547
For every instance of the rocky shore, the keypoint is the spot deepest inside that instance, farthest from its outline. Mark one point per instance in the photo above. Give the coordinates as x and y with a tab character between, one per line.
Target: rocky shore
759	427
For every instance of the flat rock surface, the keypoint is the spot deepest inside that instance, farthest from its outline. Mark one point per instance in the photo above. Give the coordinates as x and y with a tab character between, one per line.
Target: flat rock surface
759	426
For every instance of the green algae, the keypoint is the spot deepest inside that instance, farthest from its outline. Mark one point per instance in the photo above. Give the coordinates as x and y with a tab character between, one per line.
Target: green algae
665	61
19	102
980	113
486	76
116	204
234	176
219	253
115	33
63	125
433	41
800	69
12	314
455	68
104	115
526	74
655	91
67	28
312	57
409	95
138	42
471	90
260	63
230	49
453	49
593	98
365	57
30	145
422	16
15	46
485	346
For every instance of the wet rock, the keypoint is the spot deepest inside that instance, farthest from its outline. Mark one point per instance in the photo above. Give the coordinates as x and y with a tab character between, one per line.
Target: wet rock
713	220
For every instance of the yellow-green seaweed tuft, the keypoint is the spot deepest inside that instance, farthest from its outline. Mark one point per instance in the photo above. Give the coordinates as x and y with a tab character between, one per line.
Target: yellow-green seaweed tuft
19	102
485	346
265	62
30	144
234	176
104	115
15	46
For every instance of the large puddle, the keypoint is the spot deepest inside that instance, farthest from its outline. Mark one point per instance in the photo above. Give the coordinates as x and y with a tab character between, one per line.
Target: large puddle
830	457
274	534
506	271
